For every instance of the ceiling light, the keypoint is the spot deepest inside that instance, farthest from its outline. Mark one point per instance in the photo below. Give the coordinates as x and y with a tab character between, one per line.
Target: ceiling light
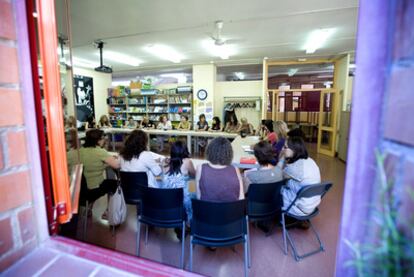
240	75
292	71
164	52
78	62
317	39
181	77
223	51
120	58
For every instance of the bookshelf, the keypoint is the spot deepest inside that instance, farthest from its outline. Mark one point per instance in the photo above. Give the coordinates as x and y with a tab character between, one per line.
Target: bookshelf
152	103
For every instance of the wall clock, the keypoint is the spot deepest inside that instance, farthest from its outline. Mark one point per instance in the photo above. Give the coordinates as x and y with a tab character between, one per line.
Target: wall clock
202	94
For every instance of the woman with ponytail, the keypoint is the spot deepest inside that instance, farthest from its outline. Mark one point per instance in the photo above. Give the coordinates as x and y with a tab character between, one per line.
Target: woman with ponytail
180	168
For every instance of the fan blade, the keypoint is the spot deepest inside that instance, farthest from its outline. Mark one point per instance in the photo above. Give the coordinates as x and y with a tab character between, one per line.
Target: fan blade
234	41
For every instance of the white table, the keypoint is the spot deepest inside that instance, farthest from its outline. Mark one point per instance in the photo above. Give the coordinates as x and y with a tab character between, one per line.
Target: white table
189	134
238	145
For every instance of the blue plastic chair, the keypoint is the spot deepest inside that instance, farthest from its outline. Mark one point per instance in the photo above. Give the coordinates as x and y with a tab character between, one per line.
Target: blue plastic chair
220	225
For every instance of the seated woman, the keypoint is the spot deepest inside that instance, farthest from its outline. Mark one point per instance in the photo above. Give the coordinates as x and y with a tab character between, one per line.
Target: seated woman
268	133
245	129
216	124
136	158
70	122
218	180
90	123
232	125
281	130
165	125
95	159
180	167
202	125
146	123
104	122
184	125
267	172
131	123
300	170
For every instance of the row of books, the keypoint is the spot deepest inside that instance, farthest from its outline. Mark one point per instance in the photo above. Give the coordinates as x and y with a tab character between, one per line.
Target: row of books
180	109
180	99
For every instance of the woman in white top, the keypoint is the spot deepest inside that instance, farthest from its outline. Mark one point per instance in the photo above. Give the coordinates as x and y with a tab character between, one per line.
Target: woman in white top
165	125
300	170
136	158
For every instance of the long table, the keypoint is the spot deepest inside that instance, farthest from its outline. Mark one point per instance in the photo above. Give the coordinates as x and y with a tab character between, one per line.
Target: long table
189	134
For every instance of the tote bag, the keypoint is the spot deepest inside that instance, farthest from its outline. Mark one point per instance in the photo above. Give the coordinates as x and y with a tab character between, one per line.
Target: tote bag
117	210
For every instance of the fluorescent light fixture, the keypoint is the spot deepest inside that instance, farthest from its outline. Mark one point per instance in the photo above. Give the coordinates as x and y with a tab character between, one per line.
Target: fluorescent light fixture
78	62
223	51
120	58
292	71
317	39
121	83
240	75
164	52
181	77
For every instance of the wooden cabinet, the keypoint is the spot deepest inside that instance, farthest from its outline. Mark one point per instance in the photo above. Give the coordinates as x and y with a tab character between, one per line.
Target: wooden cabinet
344	135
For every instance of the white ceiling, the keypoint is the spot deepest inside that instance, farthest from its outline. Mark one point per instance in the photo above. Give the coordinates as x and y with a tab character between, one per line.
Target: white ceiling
276	29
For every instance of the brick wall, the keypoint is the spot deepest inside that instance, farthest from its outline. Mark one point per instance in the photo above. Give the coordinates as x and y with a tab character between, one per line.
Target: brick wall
382	119
18	224
398	136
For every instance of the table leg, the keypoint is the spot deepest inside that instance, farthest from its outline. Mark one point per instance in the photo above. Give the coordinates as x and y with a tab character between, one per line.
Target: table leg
189	143
113	141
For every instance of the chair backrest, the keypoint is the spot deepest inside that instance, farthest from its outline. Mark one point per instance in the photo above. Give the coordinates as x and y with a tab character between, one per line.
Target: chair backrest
131	183
312	190
264	199
163	204
83	191
218	221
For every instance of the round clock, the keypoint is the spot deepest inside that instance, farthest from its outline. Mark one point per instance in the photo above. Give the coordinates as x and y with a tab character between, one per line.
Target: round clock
202	94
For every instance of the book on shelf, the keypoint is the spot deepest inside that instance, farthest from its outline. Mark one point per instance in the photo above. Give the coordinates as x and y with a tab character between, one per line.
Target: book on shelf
137	101
185	89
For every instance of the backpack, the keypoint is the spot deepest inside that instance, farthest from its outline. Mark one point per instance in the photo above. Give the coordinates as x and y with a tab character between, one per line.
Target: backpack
117	210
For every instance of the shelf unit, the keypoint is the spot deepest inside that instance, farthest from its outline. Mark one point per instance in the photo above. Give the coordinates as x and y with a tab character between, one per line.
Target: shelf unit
152	105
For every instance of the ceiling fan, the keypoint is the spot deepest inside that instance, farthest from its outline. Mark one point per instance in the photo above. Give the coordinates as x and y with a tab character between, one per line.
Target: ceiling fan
218	39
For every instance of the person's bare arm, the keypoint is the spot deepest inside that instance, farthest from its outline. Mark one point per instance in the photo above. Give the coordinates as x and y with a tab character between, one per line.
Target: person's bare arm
198	175
190	168
112	162
241	194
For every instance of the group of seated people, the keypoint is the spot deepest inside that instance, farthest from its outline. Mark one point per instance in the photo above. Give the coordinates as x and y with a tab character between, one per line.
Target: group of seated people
290	162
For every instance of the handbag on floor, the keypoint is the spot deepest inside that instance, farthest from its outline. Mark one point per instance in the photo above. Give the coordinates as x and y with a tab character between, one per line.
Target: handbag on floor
117	210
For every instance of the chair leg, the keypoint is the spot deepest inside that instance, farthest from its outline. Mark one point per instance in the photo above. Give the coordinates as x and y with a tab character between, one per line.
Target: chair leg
146	234
138	235
191	254
246	256
85	222
317	236
284	234
248	243
182	245
292	244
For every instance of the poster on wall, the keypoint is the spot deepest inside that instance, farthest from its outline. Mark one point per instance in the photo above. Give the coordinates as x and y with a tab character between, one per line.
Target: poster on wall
84	97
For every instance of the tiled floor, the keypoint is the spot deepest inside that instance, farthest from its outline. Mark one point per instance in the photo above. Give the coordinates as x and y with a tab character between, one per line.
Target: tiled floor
267	256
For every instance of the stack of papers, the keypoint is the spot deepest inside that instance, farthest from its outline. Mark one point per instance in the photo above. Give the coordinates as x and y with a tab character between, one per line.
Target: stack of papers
247	148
